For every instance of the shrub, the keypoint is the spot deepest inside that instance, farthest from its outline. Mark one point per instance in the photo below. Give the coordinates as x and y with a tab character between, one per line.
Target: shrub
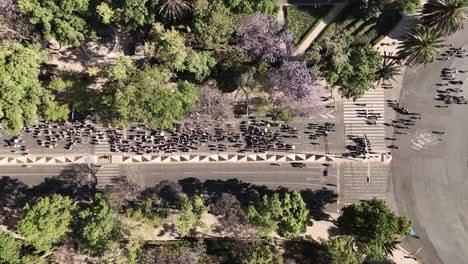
283	115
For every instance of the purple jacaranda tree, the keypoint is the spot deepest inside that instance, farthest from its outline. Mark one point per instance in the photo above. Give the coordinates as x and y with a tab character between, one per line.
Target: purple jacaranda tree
9	7
263	37
298	90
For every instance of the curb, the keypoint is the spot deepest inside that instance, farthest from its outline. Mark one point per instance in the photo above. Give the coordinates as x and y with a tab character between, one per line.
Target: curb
183	158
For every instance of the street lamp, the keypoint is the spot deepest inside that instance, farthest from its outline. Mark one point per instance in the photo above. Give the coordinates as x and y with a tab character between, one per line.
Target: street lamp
367	157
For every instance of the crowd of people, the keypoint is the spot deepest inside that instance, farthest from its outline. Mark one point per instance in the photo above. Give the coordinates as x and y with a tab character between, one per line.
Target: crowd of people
252	135
450	95
361	146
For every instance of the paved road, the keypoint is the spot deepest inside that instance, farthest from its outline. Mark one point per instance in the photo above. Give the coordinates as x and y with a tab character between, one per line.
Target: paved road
431	181
310	177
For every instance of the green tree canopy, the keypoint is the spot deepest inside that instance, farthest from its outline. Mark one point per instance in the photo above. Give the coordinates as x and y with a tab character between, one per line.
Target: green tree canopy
20	89
10	249
121	70
294	217
264	212
258	253
105	12
146	96
200	63
168	47
47	221
54	111
330	53
287	214
267	7
137	13
190	215
188	95
341	251
374	226
359	72
74	95
61	20
97	228
284	115
213	22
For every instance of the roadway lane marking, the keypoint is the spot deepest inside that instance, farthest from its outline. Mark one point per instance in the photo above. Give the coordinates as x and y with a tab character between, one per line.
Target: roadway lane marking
265	172
293	183
30	174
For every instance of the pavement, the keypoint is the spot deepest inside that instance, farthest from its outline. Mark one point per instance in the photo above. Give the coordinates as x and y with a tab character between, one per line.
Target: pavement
309	177
429	177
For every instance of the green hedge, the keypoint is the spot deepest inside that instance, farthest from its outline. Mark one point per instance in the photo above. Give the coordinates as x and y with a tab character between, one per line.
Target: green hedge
309	32
301	19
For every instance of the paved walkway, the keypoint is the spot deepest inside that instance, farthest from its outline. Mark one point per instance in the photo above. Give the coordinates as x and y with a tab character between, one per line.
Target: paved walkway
319	28
390	43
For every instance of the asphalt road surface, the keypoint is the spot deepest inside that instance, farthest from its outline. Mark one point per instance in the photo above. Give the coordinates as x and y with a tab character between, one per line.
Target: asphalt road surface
430	176
310	177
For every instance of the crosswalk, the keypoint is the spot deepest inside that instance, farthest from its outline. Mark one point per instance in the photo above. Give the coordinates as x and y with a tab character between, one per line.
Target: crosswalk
107	175
356	121
355	184
101	148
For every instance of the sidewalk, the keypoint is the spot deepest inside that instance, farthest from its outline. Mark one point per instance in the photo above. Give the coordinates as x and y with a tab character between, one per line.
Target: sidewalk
319	28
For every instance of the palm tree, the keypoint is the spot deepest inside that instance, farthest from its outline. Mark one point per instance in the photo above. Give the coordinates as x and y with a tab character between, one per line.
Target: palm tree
174	10
421	46
445	16
389	69
389	247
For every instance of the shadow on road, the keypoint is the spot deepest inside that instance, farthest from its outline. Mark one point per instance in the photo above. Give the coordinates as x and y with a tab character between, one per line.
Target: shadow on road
73	181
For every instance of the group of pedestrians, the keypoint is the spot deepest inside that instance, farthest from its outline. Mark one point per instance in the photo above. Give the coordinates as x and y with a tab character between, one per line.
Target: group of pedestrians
361	147
451	88
49	135
250	135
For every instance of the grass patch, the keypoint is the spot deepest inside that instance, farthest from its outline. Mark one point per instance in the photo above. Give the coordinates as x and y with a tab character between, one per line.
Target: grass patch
300	19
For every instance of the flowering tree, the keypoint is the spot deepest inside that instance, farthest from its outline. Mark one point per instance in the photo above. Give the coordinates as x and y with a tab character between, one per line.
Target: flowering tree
264	37
10	7
301	93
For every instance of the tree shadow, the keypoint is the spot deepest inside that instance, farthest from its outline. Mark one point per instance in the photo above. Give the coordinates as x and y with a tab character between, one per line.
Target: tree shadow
74	181
305	252
167	228
316	201
213	189
13	196
169	193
